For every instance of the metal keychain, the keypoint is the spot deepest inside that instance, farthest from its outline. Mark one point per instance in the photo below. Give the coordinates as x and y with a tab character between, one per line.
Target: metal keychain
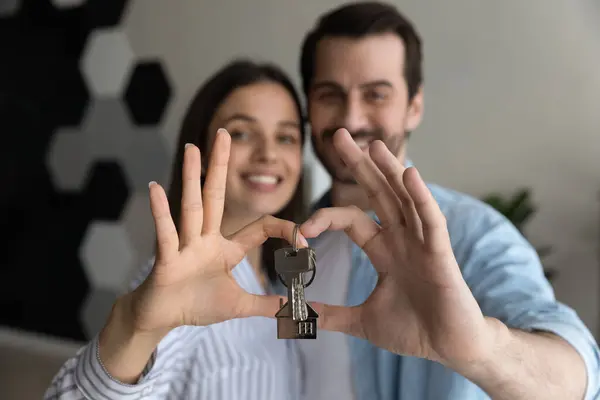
296	319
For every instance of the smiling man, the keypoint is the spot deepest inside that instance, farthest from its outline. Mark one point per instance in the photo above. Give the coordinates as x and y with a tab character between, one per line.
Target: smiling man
449	300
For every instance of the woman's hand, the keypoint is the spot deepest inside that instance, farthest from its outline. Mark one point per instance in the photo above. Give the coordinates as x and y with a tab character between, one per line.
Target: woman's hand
191	281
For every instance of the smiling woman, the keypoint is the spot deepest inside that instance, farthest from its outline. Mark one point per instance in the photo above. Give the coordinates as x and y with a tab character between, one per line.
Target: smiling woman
261	110
265	161
185	306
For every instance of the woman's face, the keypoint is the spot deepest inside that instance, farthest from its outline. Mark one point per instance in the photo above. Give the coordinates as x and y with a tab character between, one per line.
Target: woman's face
266	148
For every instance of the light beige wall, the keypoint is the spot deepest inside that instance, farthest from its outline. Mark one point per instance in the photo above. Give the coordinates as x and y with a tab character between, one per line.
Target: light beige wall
512	95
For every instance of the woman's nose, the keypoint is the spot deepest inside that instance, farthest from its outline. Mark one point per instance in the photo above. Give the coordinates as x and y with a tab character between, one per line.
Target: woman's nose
266	151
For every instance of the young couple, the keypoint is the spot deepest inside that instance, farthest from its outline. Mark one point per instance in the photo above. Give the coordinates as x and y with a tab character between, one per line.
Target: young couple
422	292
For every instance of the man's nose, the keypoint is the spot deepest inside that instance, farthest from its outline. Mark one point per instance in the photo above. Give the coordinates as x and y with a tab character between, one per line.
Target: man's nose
355	115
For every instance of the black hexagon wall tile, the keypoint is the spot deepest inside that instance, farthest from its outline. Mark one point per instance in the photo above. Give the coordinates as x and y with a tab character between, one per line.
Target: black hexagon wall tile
106	192
102	13
73	98
44	246
66	4
46	76
148	93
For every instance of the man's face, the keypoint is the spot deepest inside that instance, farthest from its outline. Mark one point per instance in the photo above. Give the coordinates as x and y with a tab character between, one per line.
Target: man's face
359	85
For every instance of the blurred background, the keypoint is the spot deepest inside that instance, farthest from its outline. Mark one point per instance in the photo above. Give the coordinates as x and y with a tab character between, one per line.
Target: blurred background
91	97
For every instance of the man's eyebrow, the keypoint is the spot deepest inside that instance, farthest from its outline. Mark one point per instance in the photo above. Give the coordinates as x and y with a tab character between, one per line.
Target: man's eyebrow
337	86
327	85
379	82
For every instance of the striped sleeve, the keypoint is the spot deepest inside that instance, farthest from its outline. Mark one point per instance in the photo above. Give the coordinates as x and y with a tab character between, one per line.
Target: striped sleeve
225	361
141	275
84	377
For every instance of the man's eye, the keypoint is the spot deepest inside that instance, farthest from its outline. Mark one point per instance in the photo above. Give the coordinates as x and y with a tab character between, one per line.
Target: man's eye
375	96
329	96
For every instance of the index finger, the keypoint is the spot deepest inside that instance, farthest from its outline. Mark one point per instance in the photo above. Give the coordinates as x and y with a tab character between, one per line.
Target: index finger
435	231
383	199
356	223
256	233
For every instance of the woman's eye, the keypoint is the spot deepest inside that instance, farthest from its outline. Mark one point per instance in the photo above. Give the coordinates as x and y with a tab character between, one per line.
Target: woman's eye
287	139
238	135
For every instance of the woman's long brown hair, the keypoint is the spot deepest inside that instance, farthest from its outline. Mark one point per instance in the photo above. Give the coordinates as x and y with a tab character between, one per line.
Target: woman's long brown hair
194	129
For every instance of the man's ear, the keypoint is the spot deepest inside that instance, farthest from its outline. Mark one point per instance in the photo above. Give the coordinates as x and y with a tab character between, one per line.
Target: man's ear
414	114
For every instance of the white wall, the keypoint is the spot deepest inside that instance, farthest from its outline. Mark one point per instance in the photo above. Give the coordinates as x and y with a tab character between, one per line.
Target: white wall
512	97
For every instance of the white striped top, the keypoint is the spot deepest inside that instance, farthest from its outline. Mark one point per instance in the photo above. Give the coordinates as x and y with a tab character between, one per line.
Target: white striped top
237	359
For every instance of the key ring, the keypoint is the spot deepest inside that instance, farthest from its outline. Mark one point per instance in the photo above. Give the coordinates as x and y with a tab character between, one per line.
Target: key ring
295	238
295	250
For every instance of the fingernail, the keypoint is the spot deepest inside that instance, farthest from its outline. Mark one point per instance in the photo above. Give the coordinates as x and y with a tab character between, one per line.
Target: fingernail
151	183
304	242
187	145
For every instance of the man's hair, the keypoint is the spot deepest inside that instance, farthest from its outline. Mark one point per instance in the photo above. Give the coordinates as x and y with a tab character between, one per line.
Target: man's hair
358	20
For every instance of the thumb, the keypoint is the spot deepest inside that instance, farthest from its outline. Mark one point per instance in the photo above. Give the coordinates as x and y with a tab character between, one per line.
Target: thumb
331	318
256	305
340	319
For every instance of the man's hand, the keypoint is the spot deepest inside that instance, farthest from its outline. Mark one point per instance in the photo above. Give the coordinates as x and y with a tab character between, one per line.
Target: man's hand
421	305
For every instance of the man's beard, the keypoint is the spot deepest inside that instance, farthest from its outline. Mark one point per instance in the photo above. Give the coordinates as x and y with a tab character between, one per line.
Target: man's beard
333	163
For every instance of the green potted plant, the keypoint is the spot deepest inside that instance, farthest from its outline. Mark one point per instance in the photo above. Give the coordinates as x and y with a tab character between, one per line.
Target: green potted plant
519	208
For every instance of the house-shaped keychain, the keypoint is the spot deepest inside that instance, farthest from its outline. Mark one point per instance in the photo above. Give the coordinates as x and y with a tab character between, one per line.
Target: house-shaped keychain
287	328
290	265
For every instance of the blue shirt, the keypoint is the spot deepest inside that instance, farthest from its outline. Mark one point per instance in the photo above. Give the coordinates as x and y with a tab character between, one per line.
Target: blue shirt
506	277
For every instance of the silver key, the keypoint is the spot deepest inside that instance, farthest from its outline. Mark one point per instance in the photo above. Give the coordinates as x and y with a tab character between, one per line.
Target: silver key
296	319
299	309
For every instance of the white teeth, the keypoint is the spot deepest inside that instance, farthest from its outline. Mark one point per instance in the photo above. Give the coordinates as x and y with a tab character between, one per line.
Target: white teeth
264	179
